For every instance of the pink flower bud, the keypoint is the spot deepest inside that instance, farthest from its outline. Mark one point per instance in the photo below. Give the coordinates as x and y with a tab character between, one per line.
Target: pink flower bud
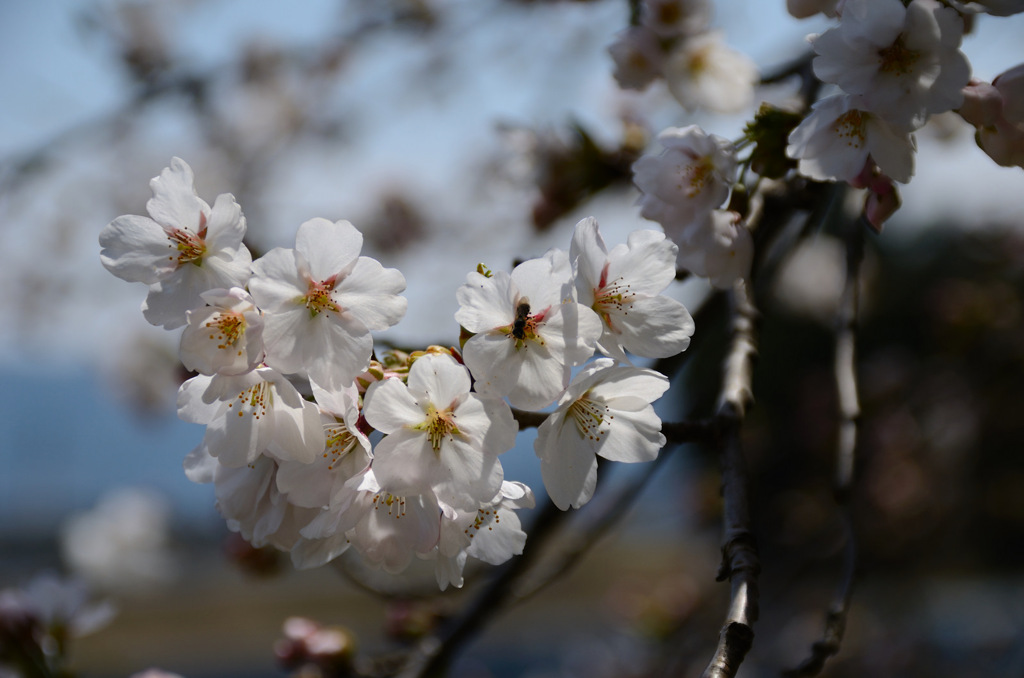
1011	88
997	111
982	104
882	202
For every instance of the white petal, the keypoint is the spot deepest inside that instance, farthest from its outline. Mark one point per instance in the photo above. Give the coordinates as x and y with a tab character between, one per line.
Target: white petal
174	202
388	406
568	466
330	248
137	249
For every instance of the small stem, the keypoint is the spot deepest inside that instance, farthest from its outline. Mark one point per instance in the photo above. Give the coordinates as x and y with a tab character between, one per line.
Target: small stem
846	446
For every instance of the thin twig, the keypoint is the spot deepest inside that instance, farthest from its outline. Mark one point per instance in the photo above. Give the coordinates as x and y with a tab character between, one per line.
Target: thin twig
740	562
846	447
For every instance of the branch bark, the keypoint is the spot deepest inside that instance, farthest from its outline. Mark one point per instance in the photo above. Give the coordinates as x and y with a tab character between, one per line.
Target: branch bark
741	564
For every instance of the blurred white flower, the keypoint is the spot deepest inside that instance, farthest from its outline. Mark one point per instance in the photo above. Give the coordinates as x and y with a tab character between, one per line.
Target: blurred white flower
703	72
904	60
687	180
638	56
720	249
122	544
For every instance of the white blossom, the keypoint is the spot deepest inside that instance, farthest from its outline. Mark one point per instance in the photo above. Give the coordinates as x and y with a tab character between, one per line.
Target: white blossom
904	60
184	249
687	180
721	249
386	528
123	543
835	140
606	411
440	437
624	288
529	332
321	300
225	336
490	532
250	415
703	72
638	56
346	453
249	501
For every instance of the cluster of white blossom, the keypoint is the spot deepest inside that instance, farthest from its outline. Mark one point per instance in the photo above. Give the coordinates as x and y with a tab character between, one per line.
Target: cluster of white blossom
673	41
301	473
683	188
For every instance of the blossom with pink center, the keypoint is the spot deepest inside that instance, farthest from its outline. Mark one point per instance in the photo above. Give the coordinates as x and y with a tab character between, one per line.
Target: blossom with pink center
225	336
439	437
624	288
688	179
836	139
346	452
904	60
529	332
183	250
321	300
607	412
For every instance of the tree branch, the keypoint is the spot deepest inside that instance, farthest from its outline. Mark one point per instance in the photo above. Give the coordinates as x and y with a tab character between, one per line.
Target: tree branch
846	445
740	562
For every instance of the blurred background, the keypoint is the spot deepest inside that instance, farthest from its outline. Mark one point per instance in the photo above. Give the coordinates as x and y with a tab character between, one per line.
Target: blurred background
453	132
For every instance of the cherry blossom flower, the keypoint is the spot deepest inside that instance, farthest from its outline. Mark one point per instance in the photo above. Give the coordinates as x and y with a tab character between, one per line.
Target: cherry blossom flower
638	56
624	288
386	528
904	60
836	139
703	72
439	436
185	249
688	179
225	336
123	543
347	451
250	415
528	331
249	501
321	301
491	533
721	249
606	411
